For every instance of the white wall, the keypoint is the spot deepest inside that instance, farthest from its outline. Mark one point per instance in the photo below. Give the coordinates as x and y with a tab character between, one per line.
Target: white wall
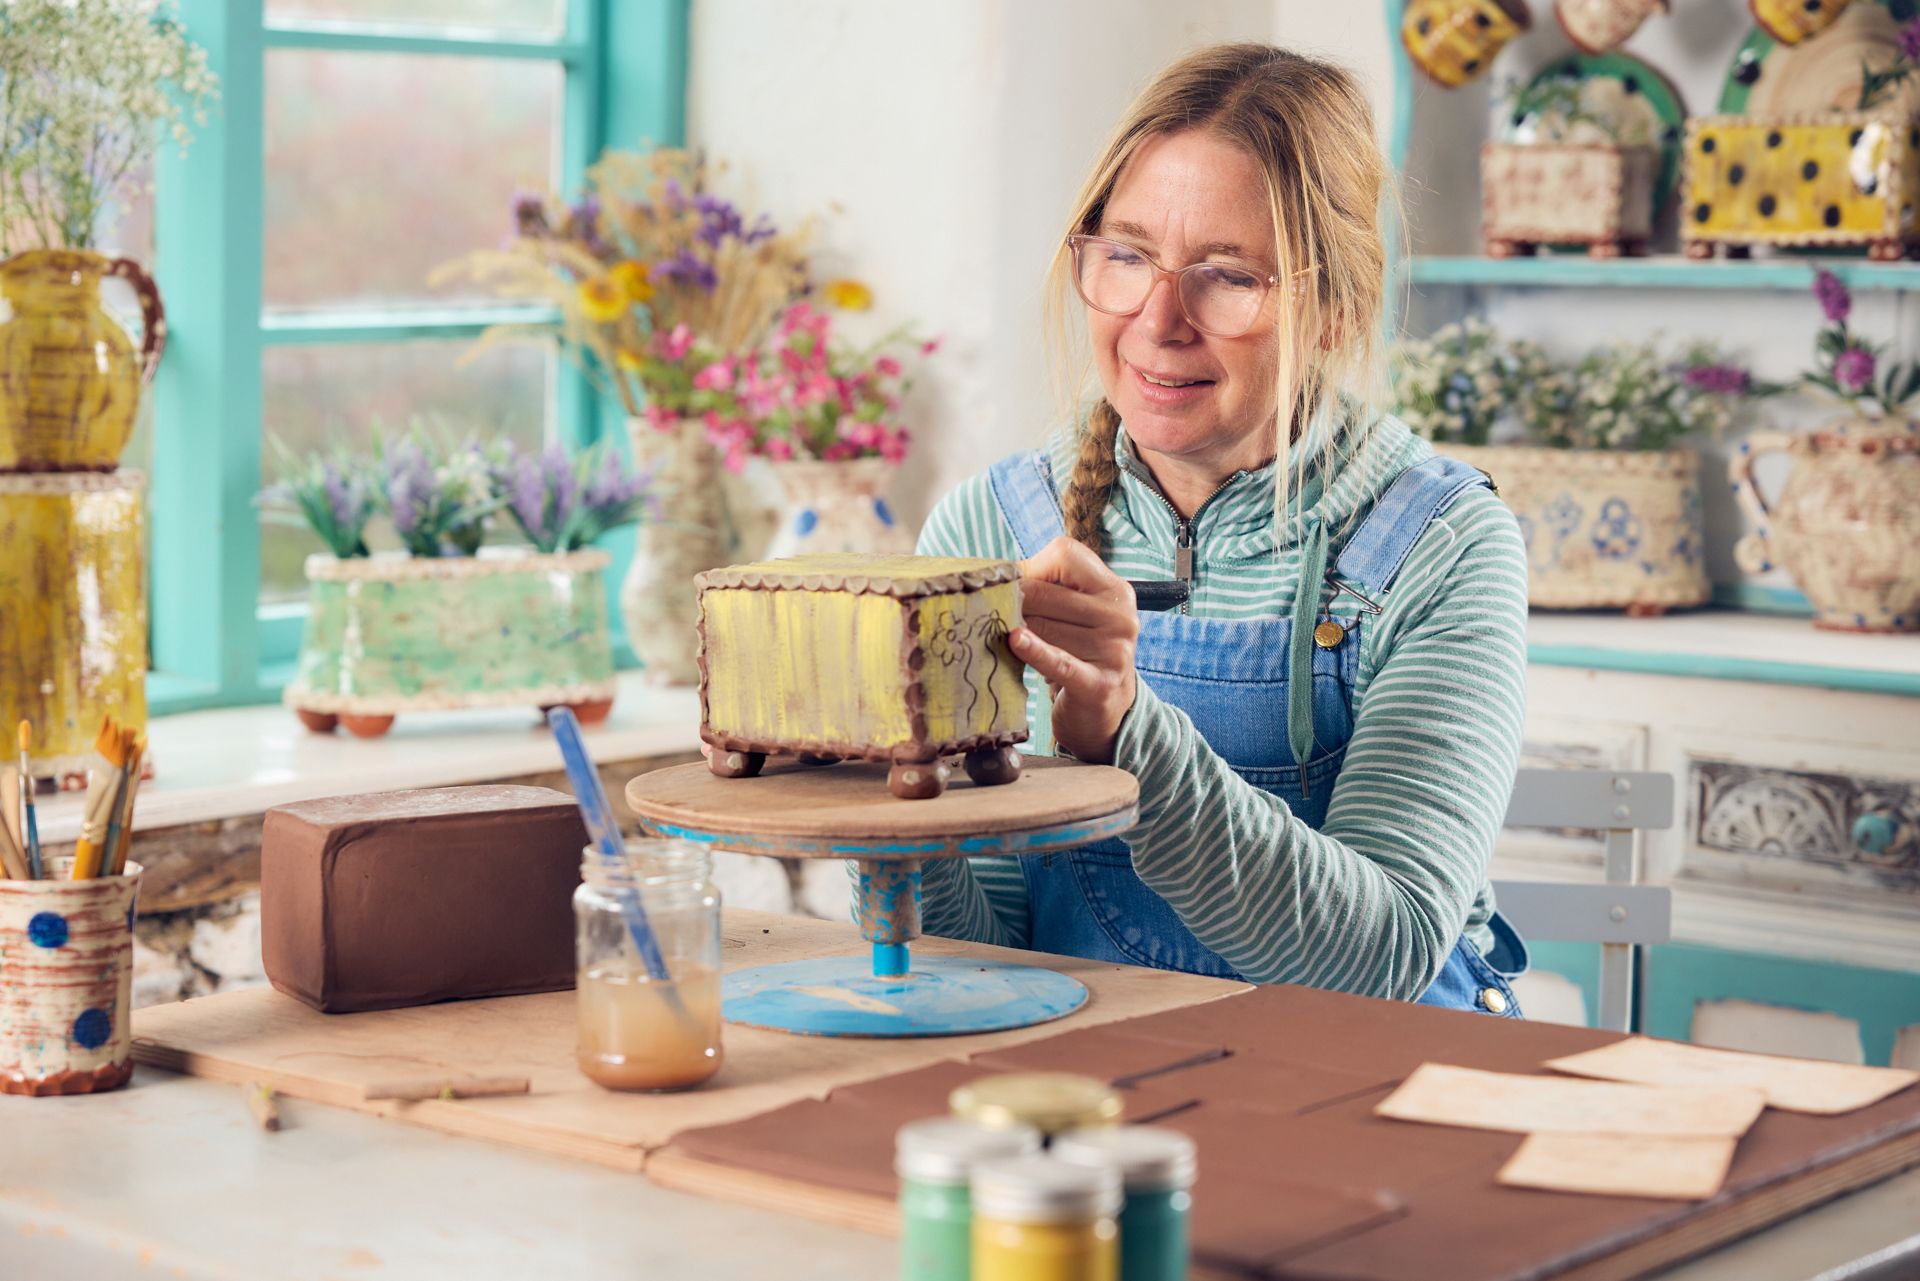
951	134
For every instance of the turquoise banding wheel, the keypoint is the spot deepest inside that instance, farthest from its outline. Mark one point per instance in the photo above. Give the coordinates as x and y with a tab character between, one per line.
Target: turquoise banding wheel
843	811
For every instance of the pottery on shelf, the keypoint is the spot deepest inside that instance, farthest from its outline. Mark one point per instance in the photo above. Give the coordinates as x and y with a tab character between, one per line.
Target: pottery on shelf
70	378
837	507
1596	26
1846	525
1809	179
390	634
73	611
1604	529
688	532
1538	194
1455	40
1791	21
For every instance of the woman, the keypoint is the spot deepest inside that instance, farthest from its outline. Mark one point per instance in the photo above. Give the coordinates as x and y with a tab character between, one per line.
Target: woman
1326	734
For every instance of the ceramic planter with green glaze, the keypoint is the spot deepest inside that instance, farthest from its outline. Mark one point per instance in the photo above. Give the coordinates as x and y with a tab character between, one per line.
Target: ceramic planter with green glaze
393	634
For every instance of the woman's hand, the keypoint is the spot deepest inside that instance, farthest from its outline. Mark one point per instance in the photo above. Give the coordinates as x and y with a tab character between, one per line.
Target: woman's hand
1080	630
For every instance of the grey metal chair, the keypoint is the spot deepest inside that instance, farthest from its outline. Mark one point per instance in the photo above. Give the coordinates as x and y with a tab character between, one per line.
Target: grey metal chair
1621	915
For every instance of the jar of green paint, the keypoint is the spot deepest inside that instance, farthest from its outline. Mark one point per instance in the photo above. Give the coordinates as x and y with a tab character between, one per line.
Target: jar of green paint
934	1159
1157	1169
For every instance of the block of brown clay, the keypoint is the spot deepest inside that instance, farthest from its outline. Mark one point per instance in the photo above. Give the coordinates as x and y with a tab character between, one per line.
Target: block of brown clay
391	899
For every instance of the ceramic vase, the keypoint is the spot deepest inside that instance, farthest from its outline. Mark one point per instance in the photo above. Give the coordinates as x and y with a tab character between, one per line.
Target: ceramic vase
1538	194
66	982
1604	530
73	611
1596	26
1847	523
392	633
837	507
688	532
70	378
1455	40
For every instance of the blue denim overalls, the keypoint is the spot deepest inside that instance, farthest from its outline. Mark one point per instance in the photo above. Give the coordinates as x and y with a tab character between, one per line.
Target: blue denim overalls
1231	679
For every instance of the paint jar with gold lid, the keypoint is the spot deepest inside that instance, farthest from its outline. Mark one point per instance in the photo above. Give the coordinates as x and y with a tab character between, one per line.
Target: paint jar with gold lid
637	1030
1050	1102
1036	1218
1156	1168
935	1158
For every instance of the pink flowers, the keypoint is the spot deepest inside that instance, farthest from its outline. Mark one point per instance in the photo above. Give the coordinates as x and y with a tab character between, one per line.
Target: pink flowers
1853	370
1835	301
805	395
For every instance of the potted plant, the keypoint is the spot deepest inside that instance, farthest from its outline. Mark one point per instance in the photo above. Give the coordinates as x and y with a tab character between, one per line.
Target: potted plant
448	623
824	415
655	277
1606	493
1846	525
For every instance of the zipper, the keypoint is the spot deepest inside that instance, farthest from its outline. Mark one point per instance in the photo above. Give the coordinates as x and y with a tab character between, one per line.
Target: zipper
1183	528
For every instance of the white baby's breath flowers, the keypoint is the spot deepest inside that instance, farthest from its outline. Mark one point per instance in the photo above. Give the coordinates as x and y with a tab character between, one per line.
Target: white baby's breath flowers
86	87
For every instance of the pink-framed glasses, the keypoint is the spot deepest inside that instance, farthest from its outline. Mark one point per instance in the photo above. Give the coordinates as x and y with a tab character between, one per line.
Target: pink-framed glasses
1216	298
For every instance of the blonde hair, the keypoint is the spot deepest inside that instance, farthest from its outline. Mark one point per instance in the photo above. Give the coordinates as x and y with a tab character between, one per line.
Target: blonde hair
1308	127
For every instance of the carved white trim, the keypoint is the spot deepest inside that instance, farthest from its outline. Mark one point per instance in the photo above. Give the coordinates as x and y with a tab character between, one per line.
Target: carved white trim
390	567
309	700
53	484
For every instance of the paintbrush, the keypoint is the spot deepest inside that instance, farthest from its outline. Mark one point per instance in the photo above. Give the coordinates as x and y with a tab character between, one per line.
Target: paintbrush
603	829
13	860
102	799
120	830
29	826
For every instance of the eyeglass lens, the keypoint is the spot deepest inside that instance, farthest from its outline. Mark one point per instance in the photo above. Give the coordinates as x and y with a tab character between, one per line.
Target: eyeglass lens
1217	298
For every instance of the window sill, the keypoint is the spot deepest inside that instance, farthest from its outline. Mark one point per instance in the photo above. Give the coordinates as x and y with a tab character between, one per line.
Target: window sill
220	764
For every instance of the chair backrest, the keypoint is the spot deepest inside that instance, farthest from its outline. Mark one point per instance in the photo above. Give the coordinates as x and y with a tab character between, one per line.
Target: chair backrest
1620	915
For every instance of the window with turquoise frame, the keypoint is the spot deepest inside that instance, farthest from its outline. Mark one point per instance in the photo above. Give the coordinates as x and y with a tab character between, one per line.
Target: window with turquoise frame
356	146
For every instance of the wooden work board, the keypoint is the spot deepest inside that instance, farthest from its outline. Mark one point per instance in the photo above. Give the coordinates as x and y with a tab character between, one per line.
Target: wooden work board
845	810
260	1035
1299	1180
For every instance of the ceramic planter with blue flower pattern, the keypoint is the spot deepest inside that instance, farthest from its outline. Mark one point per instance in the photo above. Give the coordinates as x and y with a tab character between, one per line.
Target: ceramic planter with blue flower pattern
1604	529
837	507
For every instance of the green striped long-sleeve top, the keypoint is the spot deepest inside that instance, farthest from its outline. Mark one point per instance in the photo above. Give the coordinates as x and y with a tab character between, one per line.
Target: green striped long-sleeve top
1375	900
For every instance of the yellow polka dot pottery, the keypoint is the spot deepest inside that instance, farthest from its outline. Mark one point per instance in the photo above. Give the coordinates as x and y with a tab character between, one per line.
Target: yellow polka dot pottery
1791	21
73	640
70	378
1455	40
1820	178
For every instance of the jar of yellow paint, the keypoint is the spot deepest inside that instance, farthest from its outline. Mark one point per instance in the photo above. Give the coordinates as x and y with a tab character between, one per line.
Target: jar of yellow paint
1039	1219
1050	1102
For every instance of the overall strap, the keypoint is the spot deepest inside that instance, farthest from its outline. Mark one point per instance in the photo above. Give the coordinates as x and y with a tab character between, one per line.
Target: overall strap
1373	556
1023	487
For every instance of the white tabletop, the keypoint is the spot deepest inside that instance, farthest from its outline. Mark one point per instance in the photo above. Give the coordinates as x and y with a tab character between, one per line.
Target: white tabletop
172	1178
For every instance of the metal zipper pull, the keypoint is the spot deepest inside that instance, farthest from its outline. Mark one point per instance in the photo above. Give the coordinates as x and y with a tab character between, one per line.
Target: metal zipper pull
1183	551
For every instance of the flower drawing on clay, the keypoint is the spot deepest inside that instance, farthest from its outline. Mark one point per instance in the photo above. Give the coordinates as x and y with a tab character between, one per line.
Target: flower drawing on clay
1562	514
1617	531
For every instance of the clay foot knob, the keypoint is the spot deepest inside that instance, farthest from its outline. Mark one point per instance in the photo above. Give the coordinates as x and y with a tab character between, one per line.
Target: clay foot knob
366	726
993	766
318	722
1646	611
817	758
586	713
735	764
917	780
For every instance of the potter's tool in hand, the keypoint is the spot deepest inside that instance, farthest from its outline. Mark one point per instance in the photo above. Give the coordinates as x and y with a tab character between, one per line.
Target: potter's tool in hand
603	830
1159	594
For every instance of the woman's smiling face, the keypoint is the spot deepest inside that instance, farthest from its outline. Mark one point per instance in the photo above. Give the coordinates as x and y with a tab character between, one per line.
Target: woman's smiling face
1184	198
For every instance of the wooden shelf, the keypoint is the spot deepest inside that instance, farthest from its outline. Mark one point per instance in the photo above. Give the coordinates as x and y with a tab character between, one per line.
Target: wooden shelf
1669	271
1728	645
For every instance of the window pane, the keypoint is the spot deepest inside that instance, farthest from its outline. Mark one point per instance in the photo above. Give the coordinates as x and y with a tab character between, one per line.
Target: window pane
544	18
326	396
381	167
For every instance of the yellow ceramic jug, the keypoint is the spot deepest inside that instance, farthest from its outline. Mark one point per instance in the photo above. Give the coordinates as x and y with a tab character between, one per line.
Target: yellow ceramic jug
70	378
